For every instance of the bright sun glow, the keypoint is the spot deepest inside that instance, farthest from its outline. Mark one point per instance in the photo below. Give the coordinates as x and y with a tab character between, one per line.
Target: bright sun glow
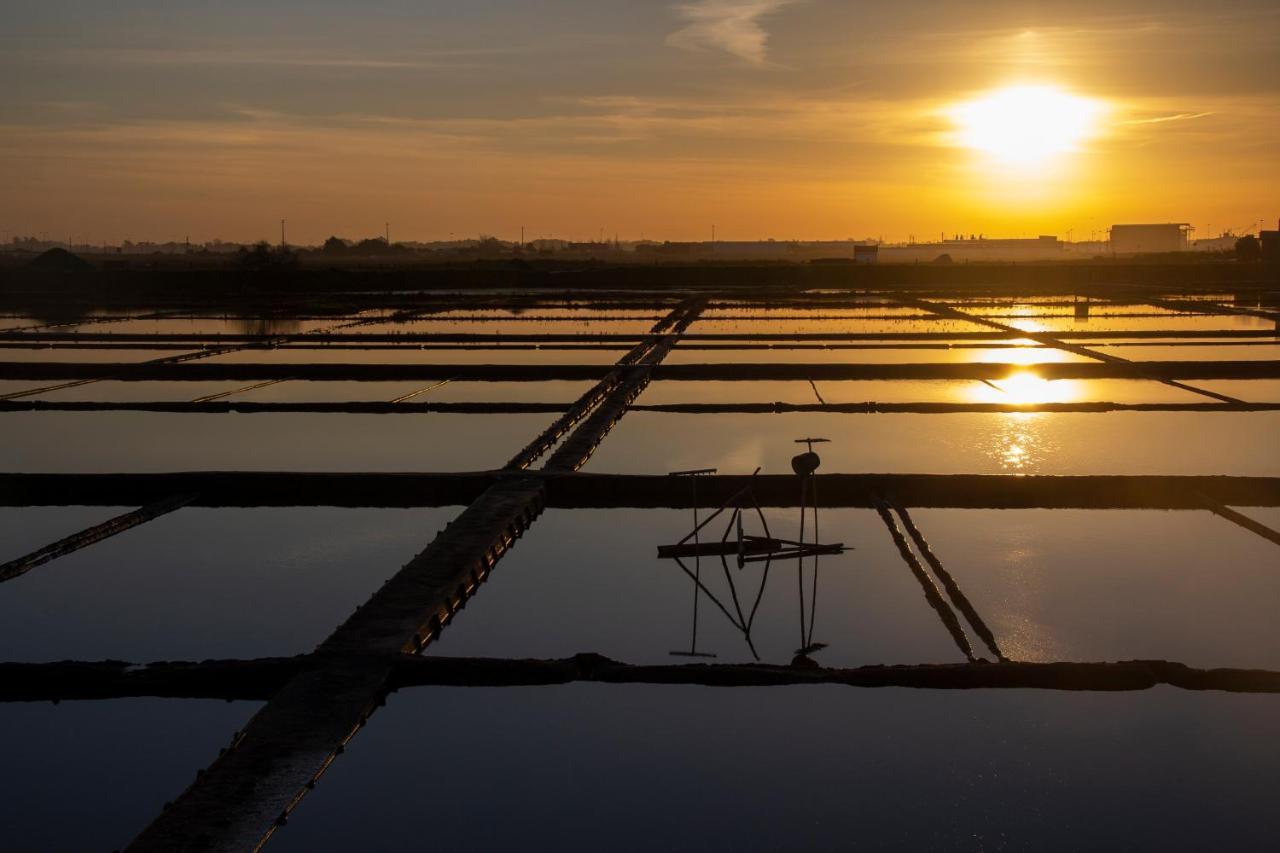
1024	388
1026	124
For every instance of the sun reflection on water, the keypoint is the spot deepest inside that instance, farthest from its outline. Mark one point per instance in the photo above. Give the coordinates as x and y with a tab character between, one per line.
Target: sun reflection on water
1025	388
1021	444
1023	636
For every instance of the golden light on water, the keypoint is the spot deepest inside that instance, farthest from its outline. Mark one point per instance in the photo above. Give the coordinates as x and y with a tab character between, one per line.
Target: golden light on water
1025	351
1027	124
1022	444
1025	388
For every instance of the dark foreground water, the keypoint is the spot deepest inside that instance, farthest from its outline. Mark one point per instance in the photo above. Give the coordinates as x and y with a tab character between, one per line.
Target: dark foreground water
634	767
809	768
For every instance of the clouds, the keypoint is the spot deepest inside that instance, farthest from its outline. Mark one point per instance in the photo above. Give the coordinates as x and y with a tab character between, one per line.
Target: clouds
729	25
464	116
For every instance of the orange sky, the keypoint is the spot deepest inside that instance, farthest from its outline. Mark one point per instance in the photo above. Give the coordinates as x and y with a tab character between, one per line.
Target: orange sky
814	119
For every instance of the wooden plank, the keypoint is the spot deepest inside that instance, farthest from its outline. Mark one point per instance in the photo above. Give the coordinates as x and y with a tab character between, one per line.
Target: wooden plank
260	679
957	596
725	372
945	614
1250	524
92	535
574	452
639	491
396	407
414	338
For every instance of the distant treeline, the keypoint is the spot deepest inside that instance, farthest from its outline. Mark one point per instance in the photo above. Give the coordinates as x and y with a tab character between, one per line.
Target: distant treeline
369	246
280	282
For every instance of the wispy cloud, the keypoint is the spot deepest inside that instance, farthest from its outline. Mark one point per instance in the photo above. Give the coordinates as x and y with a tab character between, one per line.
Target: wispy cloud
271	57
1175	117
729	25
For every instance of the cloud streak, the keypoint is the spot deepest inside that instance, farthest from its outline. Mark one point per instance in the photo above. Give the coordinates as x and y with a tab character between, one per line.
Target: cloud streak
1168	118
732	26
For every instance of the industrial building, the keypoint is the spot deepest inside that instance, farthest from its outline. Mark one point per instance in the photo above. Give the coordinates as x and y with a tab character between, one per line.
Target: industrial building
1147	239
1270	241
1040	243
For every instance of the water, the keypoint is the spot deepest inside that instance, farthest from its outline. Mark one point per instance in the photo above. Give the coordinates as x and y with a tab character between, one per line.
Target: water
201	583
1120	325
415	355
1205	351
1249	390
1084	585
873	354
513	327
787	326
107	391
1020	389
203	326
801	768
112	355
1114	585
612	596
1236	443
270	441
648	767
89	775
433	391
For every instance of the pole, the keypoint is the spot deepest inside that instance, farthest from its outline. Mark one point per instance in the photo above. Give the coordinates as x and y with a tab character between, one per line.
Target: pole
697	568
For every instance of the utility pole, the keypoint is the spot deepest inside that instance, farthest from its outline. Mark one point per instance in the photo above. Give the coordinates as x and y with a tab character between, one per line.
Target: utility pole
282	242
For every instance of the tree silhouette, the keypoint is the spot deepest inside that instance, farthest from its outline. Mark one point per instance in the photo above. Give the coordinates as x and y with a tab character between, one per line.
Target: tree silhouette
263	257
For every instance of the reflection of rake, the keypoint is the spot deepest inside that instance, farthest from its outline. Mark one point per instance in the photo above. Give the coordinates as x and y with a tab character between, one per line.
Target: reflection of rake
742	547
697	578
805	464
746	548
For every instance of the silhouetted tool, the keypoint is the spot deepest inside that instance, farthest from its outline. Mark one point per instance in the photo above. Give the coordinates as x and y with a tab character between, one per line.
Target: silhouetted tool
806	463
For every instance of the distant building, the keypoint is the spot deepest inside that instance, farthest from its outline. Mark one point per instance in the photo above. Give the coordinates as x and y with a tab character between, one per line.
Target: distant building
866	254
1044	241
1221	243
1146	239
1270	246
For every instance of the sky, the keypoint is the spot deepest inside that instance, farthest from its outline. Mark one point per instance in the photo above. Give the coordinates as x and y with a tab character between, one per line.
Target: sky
814	119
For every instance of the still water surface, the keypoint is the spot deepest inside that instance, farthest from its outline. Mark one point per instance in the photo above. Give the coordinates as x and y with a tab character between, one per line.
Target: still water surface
639	768
646	767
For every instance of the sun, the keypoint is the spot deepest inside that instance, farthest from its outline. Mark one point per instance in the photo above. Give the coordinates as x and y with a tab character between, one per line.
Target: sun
1025	125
